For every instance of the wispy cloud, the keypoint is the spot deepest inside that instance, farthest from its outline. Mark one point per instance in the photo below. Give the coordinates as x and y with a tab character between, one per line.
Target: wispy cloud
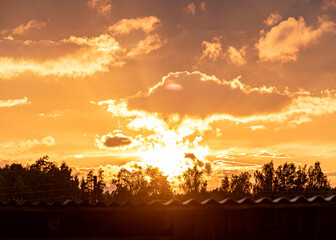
103	7
95	54
10	149
14	102
190	8
24	28
125	26
273	18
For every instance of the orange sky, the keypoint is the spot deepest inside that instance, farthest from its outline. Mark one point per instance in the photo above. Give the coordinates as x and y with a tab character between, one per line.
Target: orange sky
103	83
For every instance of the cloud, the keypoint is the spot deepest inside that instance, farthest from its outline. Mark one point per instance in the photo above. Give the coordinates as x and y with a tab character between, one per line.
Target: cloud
205	99
190	8
16	148
149	44
257	127
273	18
115	140
51	115
24	28
202	97
237	57
284	41
103	7
190	155
211	50
126	26
271	155
328	4
95	54
203	6
14	102
92	55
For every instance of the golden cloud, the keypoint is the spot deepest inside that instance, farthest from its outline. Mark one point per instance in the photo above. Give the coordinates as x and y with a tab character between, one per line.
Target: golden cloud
92	55
211	50
103	7
273	18
205	99
95	54
284	41
24	28
149	44
237	56
15	148
14	102
126	26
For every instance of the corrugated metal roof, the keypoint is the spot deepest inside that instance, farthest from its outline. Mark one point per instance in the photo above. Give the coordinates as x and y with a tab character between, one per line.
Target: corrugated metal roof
177	203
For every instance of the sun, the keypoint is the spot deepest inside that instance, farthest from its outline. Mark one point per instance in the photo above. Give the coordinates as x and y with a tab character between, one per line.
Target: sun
170	158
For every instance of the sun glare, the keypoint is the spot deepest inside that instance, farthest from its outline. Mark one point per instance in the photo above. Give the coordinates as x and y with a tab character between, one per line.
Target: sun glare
170	157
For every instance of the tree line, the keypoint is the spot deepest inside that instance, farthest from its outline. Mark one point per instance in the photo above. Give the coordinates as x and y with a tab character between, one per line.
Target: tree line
45	181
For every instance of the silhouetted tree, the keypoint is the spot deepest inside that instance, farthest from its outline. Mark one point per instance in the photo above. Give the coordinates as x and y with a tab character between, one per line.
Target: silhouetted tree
264	179
193	181
130	185
285	177
92	187
225	185
42	180
317	180
240	184
159	186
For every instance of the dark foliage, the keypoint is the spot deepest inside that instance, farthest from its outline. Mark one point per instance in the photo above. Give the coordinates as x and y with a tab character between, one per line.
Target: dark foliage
140	185
46	181
42	180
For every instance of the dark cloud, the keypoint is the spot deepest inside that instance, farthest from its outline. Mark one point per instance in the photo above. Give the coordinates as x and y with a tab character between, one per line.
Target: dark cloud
116	141
203	98
190	155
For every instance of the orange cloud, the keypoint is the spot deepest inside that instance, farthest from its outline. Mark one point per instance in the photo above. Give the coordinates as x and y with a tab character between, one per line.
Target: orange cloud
15	148
273	18
256	127
206	99
202	97
14	102
125	26
190	8
95	54
328	4
24	28
271	155
103	7
203	6
149	44
237	57
284	41
211	50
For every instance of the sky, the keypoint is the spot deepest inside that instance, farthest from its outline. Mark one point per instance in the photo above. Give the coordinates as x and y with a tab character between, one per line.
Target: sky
108	84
